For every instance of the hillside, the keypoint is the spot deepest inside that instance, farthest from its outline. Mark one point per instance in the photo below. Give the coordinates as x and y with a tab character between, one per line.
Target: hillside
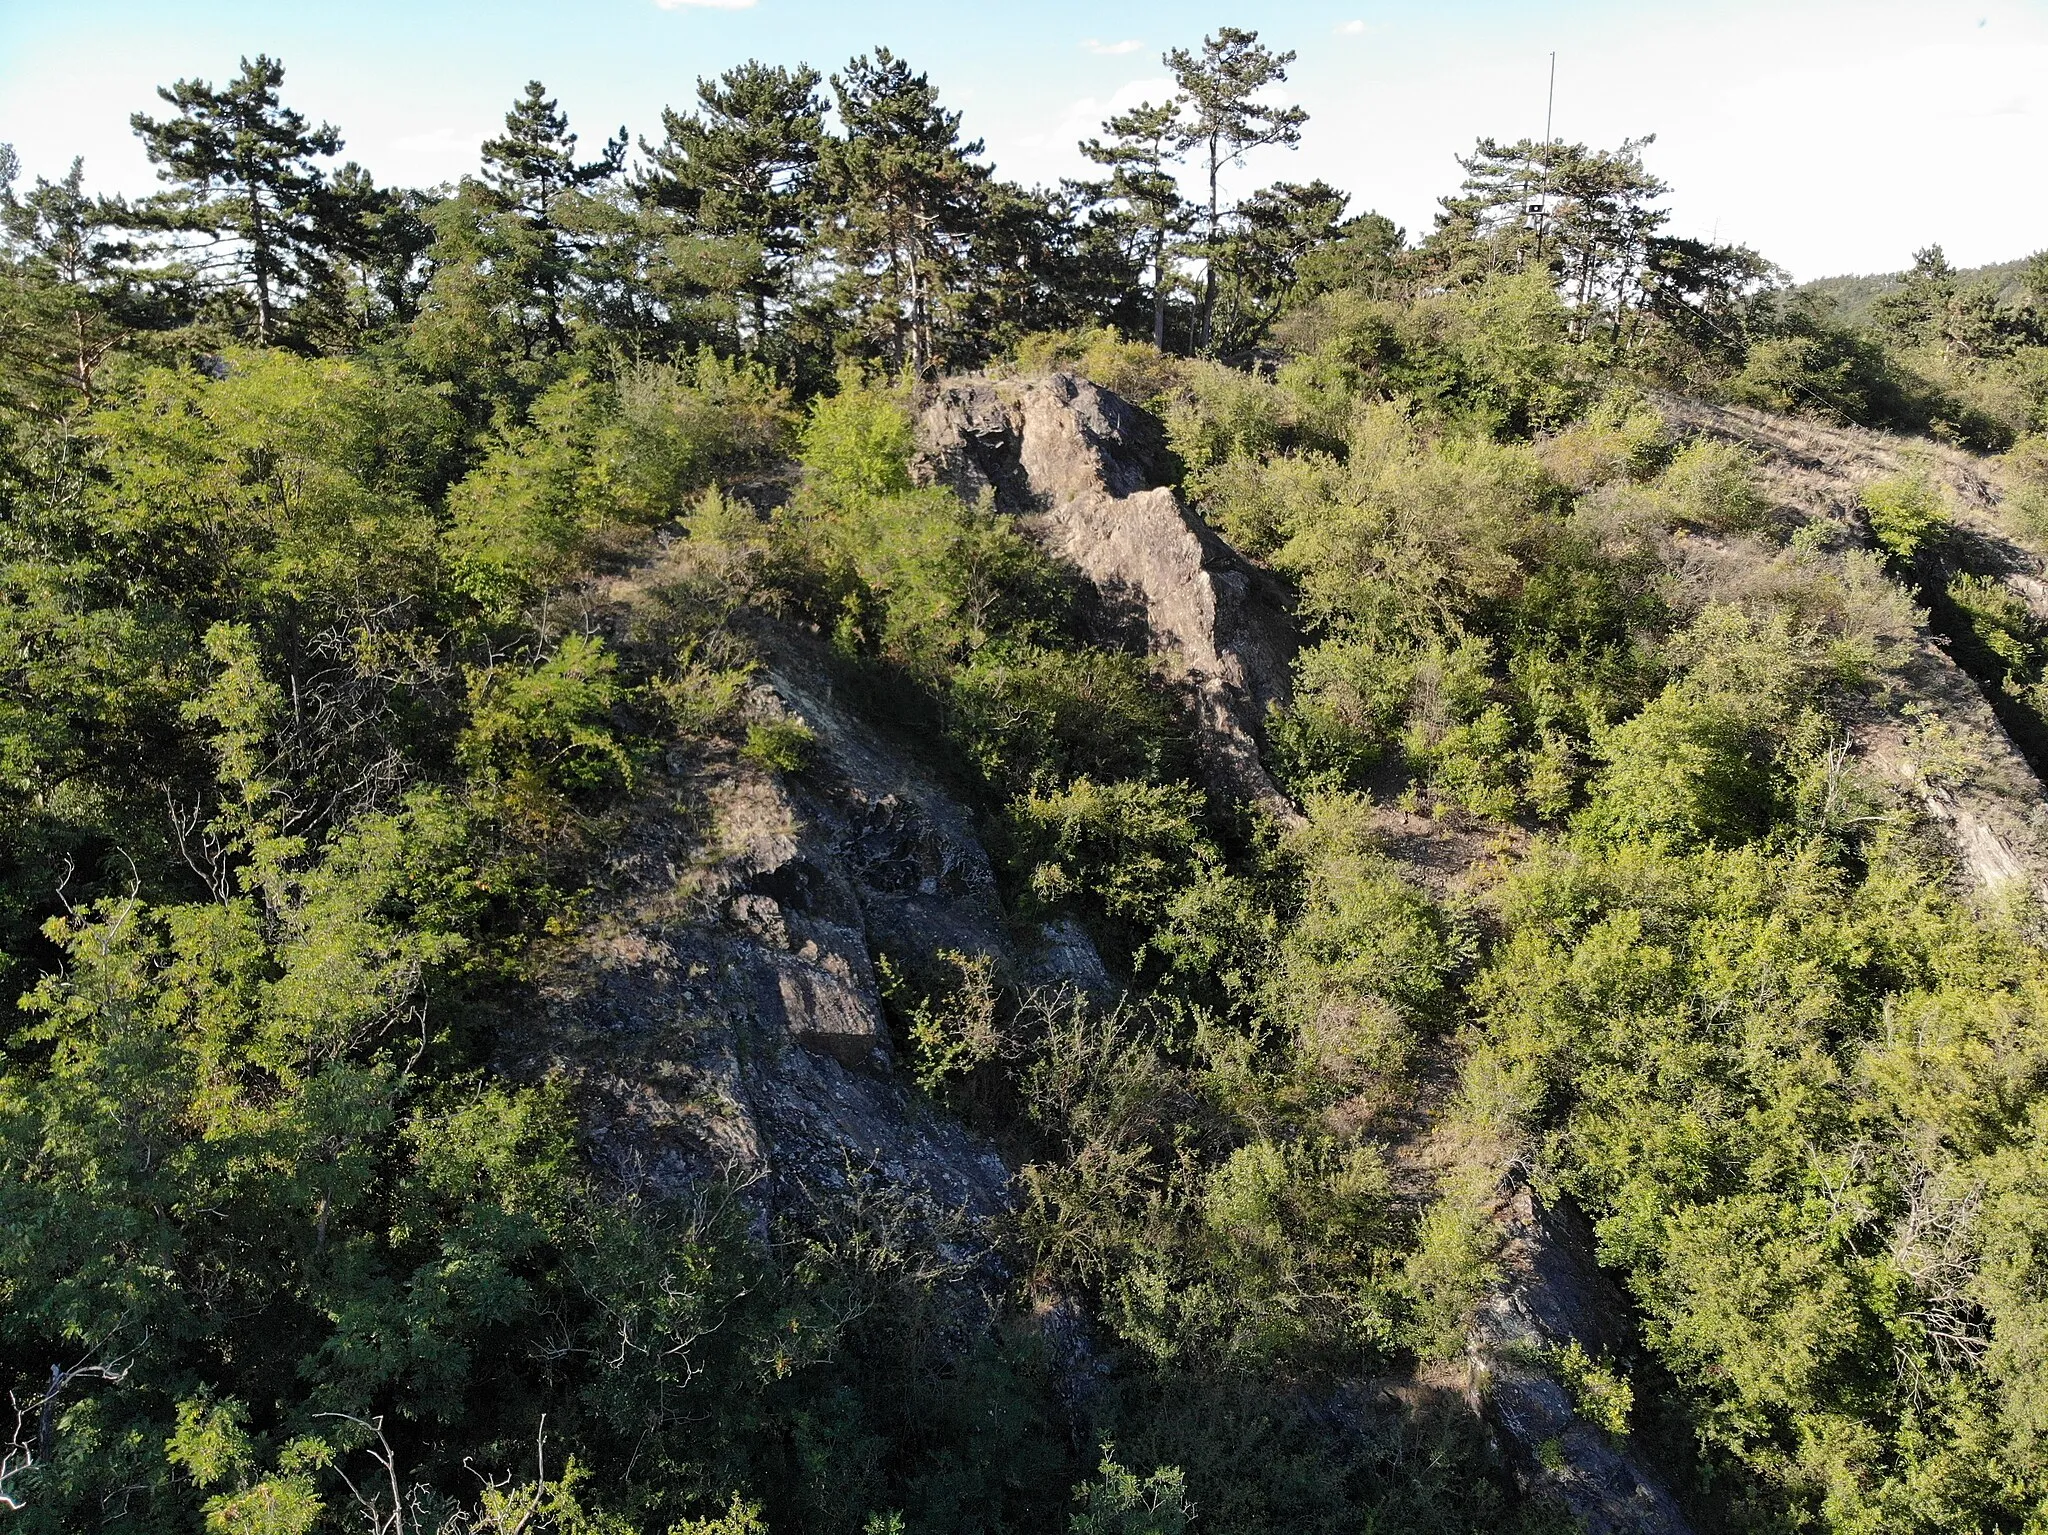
1854	296
777	837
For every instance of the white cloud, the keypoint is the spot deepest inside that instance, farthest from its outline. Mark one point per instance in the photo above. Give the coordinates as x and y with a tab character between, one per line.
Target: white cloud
424	156
1084	118
706	5
1349	28
1097	46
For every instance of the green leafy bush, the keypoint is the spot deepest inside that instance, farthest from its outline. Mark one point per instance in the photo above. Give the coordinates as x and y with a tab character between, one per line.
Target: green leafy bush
780	746
1712	486
1035	717
1684	770
1120	850
680	425
1365	959
856	442
954	1028
1907	513
1120	1502
550	727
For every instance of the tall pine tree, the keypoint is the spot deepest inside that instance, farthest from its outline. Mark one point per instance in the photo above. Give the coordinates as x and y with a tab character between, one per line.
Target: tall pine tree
1220	118
1140	145
529	171
742	169
907	202
74	290
241	168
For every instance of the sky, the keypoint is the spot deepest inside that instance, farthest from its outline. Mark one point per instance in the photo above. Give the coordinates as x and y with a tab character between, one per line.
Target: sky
1831	135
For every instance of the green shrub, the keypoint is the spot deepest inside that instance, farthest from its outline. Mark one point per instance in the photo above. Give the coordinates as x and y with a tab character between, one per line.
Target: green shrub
1712	486
1135	370
1451	1263
289	481
1906	512
1366	957
1600	1391
1419	536
856	442
1820	367
527	515
2024	473
2004	625
1494	356
1216	941
700	700
1256	502
951	1018
1457	737
1120	1502
937	579
1293	1239
550	727
1121	850
1621	437
679	425
780	746
1033	717
1218	413
1684	770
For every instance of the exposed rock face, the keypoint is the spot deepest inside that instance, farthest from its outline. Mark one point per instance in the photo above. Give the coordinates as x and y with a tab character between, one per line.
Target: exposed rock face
720	1013
1084	472
1552	1295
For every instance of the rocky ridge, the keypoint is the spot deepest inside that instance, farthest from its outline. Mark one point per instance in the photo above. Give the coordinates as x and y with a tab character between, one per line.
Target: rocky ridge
1086	474
1956	761
722	1012
719	1013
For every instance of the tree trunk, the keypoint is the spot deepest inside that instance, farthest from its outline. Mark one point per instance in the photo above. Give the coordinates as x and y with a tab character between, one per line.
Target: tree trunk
82	355
1209	256
259	243
46	1424
1159	287
920	344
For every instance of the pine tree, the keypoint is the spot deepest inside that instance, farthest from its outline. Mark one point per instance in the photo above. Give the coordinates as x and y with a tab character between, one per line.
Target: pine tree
1260	257
242	168
529	171
2034	278
76	291
375	237
741	168
1586	215
1141	144
907	200
1219	117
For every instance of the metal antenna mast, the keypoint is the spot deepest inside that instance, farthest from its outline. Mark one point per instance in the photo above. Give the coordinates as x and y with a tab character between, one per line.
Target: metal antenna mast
1542	208
1551	103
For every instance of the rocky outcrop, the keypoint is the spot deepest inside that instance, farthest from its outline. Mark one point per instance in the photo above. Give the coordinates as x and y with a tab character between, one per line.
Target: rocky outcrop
719	1013
1552	1295
1085	473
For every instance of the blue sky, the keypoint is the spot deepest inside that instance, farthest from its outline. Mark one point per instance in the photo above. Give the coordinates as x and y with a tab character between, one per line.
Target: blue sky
1834	135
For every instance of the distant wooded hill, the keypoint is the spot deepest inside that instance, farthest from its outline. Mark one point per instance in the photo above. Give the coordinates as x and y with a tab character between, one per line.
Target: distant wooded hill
1854	295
